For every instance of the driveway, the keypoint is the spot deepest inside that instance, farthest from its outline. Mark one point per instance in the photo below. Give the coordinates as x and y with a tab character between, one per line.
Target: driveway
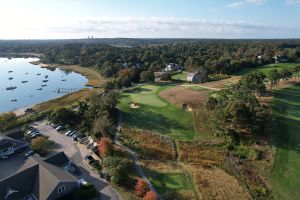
76	152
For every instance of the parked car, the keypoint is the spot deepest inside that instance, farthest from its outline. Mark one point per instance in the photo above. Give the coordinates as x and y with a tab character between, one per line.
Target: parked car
29	153
73	133
68	132
35	135
59	128
31	131
54	125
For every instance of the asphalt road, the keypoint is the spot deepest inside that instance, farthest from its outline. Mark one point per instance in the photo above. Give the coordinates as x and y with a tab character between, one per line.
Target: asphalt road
76	152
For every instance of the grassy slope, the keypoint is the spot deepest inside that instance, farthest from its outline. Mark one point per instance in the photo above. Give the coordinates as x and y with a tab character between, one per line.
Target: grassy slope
181	76
286	173
266	68
155	114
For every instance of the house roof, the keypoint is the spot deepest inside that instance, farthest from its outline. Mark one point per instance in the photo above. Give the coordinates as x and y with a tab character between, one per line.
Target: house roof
40	175
6	142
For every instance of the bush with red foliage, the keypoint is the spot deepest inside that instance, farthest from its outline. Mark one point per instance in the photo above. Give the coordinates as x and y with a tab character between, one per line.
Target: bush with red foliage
150	196
141	188
105	147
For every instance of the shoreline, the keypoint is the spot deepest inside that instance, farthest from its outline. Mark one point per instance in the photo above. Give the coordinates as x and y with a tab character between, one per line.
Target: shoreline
95	81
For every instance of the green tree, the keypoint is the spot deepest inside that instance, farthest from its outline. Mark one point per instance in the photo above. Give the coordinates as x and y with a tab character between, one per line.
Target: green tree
147	76
7	120
42	145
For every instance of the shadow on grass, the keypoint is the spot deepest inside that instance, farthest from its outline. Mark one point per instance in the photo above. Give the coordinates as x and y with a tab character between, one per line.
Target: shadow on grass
153	121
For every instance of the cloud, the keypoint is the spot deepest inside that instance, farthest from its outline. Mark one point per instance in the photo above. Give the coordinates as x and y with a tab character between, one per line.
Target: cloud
163	27
238	4
142	27
292	2
235	4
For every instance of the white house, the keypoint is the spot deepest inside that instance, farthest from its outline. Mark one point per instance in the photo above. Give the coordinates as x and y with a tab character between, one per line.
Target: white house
172	67
193	77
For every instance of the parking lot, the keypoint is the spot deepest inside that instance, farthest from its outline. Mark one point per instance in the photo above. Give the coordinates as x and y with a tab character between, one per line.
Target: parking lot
63	143
76	152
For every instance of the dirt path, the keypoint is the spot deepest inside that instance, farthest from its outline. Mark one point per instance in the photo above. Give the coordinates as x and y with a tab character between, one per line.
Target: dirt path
137	162
201	86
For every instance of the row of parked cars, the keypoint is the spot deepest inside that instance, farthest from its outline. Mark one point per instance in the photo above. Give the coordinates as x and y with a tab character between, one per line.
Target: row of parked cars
33	132
71	133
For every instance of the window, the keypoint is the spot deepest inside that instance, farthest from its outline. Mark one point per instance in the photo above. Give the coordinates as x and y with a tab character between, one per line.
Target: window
61	189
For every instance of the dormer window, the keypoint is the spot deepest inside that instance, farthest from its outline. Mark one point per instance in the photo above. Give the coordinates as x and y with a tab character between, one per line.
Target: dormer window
9	192
61	189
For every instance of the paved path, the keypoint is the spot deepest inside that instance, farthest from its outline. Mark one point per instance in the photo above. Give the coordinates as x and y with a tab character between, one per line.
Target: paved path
76	152
135	157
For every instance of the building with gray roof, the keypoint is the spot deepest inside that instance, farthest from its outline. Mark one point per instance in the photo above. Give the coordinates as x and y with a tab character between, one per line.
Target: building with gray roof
40	179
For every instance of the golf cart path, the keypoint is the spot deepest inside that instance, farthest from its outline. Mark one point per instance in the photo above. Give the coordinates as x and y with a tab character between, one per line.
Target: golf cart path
135	156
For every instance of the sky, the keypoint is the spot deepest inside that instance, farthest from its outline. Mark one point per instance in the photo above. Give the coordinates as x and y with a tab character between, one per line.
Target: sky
72	19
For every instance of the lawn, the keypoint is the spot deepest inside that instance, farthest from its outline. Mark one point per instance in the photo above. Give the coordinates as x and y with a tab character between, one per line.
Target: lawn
266	68
285	175
182	76
156	114
168	181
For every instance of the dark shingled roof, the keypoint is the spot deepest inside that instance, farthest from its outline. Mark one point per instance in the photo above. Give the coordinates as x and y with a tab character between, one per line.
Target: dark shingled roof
37	176
58	159
6	142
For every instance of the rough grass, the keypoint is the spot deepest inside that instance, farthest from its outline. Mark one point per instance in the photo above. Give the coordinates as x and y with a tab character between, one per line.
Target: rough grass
64	101
286	174
179	95
157	156
266	68
214	183
155	114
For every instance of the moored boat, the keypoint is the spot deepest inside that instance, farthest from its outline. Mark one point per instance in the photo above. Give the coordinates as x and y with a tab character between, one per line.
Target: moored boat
11	88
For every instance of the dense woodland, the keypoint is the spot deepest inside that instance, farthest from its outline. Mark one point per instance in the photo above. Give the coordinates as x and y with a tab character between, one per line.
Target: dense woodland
108	55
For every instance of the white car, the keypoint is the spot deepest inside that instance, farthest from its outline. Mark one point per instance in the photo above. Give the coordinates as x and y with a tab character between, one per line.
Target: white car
59	128
68	132
71	134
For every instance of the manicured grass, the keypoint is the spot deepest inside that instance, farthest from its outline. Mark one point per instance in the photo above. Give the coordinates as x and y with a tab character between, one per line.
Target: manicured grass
182	76
285	175
168	181
155	114
266	68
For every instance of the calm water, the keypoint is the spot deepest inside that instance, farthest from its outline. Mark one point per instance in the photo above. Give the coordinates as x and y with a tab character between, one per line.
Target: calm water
27	94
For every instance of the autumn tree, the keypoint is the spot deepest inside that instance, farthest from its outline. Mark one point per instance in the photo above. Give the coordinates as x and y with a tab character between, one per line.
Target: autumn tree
141	188
150	195
105	147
